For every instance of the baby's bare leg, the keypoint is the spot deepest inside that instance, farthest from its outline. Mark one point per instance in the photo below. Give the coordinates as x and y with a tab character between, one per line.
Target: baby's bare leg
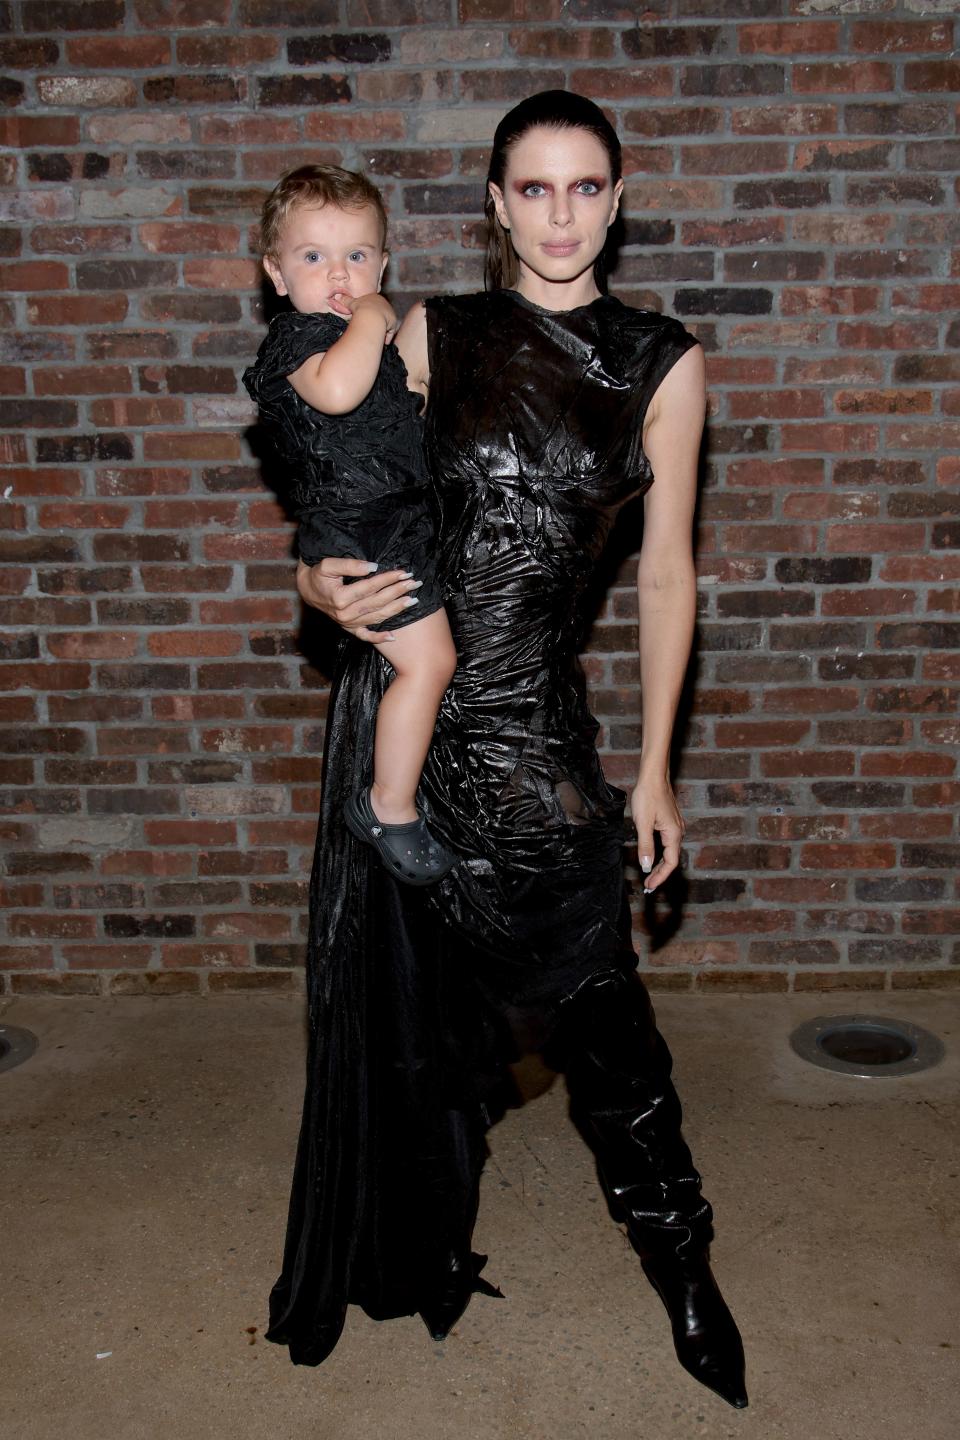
424	659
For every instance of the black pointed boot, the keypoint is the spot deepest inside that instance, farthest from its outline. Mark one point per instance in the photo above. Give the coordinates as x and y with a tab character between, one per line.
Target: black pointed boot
618	1073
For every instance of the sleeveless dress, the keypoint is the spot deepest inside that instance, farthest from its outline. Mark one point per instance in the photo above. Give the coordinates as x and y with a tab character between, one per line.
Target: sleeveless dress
360	488
417	998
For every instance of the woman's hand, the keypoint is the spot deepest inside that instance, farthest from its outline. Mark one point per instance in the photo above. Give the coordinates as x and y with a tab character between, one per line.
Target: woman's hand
357	606
654	809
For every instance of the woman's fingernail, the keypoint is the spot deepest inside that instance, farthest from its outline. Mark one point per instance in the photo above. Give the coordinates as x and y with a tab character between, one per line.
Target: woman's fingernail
408	574
371	566
646	864
416	585
646	891
411	600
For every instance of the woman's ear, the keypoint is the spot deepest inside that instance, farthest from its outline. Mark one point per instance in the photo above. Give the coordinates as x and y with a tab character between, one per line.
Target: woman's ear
496	195
617	192
383	266
273	270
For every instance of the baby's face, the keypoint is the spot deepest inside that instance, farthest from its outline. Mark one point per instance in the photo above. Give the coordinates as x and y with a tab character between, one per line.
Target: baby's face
325	253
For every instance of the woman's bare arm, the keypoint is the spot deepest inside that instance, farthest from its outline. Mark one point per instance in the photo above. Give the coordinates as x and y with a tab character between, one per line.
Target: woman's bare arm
666	587
411	341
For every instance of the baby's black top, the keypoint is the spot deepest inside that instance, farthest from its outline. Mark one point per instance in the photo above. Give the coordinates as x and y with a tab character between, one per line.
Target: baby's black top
371	451
358	482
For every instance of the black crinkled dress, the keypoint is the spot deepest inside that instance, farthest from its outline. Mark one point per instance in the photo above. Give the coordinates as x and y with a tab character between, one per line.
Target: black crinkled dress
360	488
418	997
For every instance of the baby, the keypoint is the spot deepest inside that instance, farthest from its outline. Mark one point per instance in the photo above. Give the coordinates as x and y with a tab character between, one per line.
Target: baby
333	390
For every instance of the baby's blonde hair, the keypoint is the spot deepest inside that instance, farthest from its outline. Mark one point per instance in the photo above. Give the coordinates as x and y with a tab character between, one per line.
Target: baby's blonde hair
317	185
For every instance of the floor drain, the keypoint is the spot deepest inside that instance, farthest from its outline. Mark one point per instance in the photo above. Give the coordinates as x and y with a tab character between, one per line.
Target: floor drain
16	1045
866	1045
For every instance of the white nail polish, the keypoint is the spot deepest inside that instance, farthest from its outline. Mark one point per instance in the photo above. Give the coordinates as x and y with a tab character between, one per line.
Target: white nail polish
371	566
646	864
411	600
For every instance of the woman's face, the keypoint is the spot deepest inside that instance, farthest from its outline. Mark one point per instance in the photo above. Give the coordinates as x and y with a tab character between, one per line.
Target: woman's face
557	201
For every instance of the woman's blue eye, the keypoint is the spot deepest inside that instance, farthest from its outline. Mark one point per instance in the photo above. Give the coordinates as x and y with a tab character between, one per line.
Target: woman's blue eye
534	190
588	187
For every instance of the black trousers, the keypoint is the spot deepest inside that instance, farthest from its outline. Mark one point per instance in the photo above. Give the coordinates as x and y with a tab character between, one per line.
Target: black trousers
618	1072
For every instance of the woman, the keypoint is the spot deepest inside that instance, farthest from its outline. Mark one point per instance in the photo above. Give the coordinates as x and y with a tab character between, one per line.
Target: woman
549	405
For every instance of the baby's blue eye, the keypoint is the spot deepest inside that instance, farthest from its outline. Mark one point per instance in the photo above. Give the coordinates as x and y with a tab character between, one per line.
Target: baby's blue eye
358	257
312	256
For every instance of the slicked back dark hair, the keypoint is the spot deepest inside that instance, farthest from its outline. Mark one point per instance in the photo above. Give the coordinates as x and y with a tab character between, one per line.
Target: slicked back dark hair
553	110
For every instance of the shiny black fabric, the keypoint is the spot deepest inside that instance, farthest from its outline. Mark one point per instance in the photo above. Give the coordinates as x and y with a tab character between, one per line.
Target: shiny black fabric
359	487
418	997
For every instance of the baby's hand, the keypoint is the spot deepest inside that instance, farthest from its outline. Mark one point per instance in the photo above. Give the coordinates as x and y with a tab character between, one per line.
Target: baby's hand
375	303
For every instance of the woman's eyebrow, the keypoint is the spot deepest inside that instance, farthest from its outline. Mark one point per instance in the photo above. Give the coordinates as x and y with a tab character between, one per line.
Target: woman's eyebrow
599	180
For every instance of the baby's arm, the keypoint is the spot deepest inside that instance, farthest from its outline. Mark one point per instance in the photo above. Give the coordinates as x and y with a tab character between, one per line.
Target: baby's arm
336	381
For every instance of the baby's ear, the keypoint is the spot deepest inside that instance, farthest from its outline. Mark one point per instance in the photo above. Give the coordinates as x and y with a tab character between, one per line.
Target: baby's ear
273	270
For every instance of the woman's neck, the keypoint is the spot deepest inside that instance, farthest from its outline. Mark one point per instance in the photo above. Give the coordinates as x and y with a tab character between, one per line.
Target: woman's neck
557	294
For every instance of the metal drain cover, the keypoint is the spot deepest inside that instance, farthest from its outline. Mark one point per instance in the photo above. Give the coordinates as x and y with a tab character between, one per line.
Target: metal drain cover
866	1045
16	1045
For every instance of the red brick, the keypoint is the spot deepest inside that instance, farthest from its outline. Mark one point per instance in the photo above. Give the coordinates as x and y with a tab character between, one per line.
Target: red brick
843	77
806	762
931	75
25	131
845	438
847	857
186	446
82	516
227	51
35	275
786	120
181	238
26	957
107	957
93	645
793	37
899	36
52	927
221	274
148	862
204	956
196	642
902	826
119	52
76	309
190	832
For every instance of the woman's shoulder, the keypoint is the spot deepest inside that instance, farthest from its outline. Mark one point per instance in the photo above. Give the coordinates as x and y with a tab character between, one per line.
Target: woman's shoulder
644	336
646	323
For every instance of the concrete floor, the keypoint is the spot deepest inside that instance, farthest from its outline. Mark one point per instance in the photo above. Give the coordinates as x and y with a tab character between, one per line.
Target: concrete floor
146	1150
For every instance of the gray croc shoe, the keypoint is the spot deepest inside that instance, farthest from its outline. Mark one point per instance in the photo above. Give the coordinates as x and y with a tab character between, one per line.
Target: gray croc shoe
408	851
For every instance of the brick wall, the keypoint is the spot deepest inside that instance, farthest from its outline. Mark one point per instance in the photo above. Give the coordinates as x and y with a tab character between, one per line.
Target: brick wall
790	195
